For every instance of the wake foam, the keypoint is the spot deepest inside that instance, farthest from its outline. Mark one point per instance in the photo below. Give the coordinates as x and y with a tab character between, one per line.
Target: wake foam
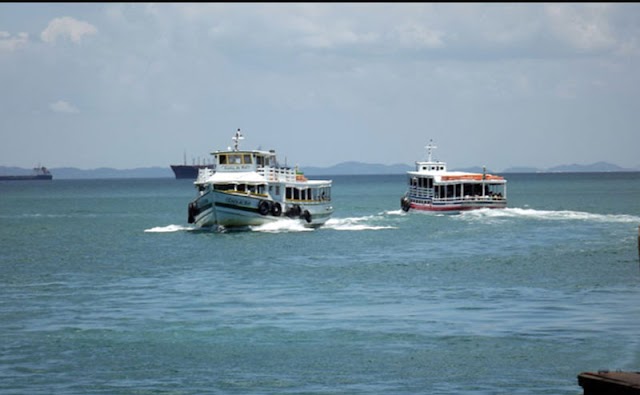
357	223
169	229
395	212
564	215
282	226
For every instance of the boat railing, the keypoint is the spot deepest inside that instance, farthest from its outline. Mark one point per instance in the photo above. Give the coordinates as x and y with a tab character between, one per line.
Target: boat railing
427	193
422	193
281	174
483	198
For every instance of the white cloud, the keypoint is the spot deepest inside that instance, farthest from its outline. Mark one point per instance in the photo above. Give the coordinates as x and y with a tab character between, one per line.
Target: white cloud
11	43
416	36
62	106
67	27
584	27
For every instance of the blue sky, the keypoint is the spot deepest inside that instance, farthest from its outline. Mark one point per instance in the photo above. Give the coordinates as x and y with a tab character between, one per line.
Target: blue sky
129	85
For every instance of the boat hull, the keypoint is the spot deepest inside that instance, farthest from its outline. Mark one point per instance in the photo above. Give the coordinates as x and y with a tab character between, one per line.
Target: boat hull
455	206
39	177
241	210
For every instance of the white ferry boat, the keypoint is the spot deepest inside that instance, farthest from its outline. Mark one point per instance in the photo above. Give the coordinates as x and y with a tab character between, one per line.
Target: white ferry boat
433	188
249	187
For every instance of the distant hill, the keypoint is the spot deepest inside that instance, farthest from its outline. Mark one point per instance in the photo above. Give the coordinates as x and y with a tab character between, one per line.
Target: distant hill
475	169
599	167
102	172
595	167
353	168
523	169
344	168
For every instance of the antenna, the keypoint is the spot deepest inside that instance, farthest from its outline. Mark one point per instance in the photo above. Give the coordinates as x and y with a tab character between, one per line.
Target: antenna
237	138
429	148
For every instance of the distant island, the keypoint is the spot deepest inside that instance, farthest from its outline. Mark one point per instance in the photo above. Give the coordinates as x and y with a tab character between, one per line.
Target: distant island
356	168
344	168
99	173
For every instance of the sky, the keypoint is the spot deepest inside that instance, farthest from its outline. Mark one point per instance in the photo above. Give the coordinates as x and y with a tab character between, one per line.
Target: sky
127	85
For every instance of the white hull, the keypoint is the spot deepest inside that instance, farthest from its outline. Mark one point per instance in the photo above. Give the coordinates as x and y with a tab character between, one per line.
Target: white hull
236	210
456	205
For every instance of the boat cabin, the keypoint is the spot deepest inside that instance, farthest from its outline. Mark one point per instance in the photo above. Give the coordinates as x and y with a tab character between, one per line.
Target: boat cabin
458	186
257	172
243	160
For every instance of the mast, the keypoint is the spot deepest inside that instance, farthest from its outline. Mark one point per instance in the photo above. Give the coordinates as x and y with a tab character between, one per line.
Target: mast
429	148
238	136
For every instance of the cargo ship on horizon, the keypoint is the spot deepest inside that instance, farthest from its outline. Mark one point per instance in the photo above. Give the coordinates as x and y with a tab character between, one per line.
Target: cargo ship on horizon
189	171
39	173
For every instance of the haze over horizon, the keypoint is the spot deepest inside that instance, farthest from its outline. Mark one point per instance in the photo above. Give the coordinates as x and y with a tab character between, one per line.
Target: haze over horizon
129	85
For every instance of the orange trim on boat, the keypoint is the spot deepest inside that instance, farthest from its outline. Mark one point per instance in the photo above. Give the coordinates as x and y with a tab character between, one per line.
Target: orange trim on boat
471	177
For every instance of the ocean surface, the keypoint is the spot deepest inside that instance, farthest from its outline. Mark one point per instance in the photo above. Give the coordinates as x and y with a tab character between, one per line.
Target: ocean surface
105	289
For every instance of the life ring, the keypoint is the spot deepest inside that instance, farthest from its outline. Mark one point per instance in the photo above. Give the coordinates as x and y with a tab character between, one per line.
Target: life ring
405	203
306	215
264	207
276	209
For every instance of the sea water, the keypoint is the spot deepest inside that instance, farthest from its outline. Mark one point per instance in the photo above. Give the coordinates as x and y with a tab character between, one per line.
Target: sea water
106	289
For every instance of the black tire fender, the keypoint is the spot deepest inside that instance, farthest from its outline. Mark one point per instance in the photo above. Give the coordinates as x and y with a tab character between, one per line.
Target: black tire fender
405	203
264	207
293	211
306	215
276	209
192	212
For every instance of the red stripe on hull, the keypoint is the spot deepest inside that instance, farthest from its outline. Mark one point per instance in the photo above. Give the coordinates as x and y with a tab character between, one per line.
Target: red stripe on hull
422	207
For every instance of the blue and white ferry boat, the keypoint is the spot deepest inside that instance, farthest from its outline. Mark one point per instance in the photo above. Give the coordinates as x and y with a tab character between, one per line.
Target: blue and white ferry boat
249	188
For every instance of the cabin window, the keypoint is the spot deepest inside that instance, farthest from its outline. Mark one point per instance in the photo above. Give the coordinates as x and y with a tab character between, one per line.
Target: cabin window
422	182
223	187
223	159
247	159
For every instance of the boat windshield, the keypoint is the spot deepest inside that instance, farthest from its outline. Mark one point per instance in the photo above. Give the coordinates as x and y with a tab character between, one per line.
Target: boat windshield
235	159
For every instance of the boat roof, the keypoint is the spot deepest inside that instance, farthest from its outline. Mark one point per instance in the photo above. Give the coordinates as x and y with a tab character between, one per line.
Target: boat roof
250	151
457	176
